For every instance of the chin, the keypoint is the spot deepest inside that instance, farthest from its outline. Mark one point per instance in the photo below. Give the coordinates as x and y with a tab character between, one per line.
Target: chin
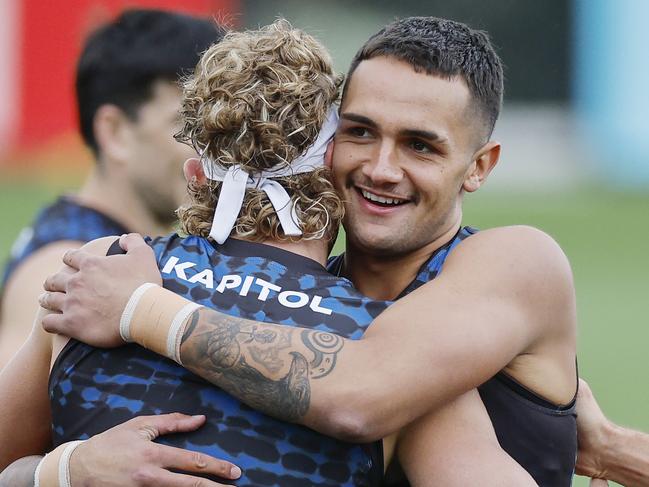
372	243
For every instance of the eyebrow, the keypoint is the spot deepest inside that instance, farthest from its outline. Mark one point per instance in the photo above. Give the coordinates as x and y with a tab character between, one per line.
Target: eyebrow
354	117
432	137
424	134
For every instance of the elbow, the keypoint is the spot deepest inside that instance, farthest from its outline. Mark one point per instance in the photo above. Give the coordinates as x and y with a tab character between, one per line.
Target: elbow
352	426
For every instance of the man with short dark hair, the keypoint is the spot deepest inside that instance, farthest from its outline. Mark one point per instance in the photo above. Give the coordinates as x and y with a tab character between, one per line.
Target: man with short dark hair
418	110
128	101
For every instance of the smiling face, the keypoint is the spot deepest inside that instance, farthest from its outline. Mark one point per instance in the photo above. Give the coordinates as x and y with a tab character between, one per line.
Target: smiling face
405	151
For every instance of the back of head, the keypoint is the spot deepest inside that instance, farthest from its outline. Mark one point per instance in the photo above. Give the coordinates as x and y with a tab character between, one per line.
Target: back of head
121	60
257	101
443	48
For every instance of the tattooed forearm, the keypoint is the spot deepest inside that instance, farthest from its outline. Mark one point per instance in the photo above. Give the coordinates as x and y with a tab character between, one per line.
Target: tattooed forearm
325	347
270	357
267	366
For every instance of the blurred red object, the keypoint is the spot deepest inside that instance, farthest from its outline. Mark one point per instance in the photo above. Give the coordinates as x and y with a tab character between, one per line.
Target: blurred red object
39	45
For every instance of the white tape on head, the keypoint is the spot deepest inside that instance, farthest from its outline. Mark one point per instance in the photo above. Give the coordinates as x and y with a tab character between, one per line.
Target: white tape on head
235	181
127	314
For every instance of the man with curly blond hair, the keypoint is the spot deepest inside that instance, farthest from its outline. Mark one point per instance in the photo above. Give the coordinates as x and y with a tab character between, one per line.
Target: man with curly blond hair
260	110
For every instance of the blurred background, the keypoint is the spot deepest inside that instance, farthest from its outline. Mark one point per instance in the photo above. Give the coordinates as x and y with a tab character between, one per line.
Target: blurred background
574	133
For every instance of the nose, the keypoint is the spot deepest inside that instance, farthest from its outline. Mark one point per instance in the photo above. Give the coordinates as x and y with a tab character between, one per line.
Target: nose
383	167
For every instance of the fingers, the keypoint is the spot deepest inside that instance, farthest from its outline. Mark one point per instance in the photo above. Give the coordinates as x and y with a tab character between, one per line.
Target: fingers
131	241
598	483
195	462
176	458
164	478
52	301
75	258
150	427
54	323
57	282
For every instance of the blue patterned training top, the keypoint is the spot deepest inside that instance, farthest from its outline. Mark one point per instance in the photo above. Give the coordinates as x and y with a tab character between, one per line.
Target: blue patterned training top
92	390
65	219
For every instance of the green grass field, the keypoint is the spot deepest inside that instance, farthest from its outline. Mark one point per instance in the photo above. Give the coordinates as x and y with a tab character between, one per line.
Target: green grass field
605	236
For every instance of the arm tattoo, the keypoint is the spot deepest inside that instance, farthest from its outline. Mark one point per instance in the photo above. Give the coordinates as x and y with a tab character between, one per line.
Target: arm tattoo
325	347
264	365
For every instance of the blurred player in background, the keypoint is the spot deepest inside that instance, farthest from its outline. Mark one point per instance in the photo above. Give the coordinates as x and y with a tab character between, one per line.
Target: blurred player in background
128	103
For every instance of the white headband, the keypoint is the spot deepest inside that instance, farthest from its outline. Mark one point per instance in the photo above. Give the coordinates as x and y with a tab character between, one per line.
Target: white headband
236	180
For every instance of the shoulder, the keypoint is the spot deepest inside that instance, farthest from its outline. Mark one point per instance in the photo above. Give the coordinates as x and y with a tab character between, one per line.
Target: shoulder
521	252
37	266
100	246
519	265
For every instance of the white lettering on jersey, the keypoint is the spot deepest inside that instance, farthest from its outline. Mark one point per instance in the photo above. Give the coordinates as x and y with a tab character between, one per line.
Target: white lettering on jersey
179	269
266	288
287	298
205	277
247	282
302	299
315	306
229	282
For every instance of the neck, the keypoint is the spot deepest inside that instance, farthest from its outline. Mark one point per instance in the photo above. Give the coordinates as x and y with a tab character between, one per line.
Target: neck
317	250
113	197
384	277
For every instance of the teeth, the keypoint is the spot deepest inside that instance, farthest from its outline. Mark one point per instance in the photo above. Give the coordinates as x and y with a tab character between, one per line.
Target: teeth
379	199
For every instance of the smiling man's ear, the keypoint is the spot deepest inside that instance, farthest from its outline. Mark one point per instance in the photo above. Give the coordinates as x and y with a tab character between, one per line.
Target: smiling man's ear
484	160
328	158
193	169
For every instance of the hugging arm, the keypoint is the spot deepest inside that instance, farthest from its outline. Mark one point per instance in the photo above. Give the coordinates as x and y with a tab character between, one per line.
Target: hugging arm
135	461
444	339
606	450
501	292
455	446
24	402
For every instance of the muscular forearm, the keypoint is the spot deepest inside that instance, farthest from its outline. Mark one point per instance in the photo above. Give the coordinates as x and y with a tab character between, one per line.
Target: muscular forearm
625	458
273	368
343	388
20	473
440	341
316	378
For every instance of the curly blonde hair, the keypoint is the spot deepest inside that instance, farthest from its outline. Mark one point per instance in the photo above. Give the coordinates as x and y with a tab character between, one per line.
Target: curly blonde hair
258	99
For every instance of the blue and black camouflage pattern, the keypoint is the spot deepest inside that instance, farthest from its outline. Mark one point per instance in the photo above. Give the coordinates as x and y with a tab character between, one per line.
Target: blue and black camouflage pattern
427	272
65	219
92	390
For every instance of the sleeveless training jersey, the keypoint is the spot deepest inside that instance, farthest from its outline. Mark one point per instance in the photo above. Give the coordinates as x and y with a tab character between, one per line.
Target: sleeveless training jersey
92	389
65	219
540	436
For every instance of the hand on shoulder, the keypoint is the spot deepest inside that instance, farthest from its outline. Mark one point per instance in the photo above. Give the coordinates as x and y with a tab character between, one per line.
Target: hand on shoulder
90	294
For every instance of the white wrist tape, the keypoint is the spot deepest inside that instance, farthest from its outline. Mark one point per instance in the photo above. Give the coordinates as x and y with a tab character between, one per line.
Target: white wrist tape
177	329
127	314
61	475
156	318
64	463
37	472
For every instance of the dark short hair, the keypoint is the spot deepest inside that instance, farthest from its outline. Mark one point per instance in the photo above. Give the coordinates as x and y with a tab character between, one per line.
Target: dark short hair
444	48
121	60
